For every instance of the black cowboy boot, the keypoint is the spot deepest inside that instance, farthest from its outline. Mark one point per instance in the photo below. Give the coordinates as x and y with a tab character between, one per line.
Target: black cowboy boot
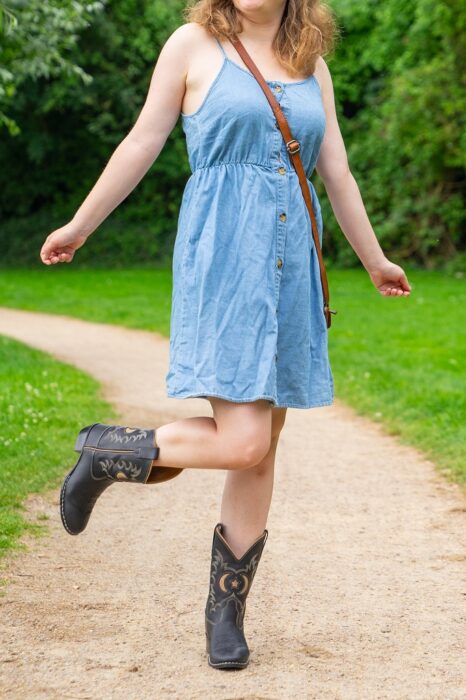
230	582
109	453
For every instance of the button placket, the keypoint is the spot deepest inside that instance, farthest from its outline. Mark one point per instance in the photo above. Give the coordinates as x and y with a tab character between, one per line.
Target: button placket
281	199
282	184
282	196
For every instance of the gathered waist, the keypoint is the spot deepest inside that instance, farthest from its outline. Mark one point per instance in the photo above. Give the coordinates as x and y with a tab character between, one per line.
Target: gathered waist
265	166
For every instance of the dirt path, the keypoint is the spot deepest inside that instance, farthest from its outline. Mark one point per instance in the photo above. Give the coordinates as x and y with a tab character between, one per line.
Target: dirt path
360	593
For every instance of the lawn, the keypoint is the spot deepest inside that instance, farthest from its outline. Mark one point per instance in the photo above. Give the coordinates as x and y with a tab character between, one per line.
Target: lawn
400	361
43	404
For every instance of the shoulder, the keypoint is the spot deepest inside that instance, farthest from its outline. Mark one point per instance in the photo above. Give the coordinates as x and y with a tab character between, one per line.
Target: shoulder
323	75
187	36
322	70
182	45
192	47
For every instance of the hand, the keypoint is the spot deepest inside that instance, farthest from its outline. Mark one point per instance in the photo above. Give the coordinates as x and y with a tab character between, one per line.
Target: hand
61	245
390	280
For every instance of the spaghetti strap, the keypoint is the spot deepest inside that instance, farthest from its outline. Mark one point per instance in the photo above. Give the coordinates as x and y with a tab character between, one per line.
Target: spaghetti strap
221	47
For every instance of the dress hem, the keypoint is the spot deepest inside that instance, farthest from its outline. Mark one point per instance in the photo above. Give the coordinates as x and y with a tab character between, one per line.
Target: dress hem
272	399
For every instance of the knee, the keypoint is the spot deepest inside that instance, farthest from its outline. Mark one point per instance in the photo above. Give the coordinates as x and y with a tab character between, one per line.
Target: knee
248	451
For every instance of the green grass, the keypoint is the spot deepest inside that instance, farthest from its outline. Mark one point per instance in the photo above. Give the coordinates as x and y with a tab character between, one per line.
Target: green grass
133	298
43	404
400	361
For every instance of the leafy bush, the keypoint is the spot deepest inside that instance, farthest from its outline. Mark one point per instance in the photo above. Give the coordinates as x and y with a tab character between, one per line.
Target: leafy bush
399	76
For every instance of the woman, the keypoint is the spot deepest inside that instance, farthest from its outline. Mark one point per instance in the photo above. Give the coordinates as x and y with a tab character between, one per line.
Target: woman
247	326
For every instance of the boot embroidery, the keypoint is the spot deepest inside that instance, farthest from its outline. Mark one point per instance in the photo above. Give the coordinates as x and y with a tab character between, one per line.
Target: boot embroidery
119	468
130	435
230	585
234	582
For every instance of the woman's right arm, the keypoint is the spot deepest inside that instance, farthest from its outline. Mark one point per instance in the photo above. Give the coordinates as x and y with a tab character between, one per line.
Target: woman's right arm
134	155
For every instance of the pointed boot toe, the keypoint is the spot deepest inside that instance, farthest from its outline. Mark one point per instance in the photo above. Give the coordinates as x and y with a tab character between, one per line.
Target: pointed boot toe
227	647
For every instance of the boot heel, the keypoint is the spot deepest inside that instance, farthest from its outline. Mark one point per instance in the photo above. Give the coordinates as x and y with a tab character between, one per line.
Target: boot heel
82	437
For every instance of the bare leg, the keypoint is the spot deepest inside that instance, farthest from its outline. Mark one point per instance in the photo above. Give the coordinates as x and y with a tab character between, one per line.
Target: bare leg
247	495
237	437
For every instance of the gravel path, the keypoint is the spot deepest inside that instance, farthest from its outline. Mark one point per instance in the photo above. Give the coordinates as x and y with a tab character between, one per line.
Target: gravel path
360	593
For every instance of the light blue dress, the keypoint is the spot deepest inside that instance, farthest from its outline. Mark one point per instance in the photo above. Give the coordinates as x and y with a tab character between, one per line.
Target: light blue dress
247	318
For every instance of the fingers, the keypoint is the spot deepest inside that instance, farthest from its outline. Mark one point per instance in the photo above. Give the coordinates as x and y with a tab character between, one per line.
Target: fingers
398	288
55	256
394	292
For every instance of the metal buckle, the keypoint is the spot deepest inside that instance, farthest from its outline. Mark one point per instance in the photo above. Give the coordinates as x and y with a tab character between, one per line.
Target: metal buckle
290	147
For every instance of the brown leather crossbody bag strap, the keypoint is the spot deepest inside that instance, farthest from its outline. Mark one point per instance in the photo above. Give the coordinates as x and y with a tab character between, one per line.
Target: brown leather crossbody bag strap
292	146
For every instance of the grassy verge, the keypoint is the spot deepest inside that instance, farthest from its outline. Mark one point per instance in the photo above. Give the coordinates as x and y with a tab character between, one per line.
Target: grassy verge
134	298
43	404
402	361
399	361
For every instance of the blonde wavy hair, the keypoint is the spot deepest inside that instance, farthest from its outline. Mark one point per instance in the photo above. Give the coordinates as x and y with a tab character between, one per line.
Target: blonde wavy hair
308	29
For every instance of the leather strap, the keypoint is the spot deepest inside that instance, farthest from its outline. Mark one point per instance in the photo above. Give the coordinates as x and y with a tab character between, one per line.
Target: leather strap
292	146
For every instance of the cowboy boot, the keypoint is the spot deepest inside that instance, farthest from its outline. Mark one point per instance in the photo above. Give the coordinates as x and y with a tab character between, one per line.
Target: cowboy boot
230	582
109	453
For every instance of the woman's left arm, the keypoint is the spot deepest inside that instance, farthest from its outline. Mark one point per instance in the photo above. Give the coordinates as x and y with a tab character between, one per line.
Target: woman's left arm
345	198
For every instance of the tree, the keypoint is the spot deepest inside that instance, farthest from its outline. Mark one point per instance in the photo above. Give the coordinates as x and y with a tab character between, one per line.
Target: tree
36	38
400	75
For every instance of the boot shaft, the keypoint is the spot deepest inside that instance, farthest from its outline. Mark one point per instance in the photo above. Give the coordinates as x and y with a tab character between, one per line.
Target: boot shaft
118	452
231	579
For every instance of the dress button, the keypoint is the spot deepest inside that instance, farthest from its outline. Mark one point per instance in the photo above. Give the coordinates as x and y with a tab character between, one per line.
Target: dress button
279	262
278	88
282	170
282	216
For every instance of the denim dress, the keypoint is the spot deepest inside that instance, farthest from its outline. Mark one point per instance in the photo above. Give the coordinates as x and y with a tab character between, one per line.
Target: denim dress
247	318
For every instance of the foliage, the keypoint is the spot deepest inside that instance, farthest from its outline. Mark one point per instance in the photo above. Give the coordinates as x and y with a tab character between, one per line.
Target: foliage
399	75
36	39
399	79
69	130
